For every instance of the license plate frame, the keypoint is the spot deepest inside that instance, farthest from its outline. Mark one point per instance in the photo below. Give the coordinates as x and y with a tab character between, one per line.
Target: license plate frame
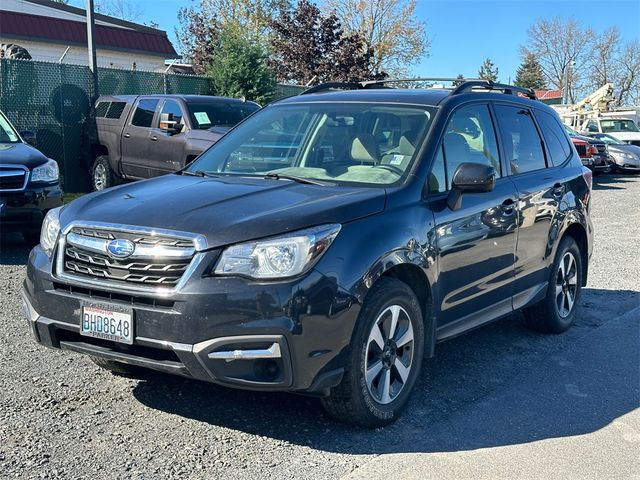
107	322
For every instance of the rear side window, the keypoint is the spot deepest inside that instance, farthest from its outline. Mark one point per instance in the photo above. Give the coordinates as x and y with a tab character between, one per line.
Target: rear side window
115	110
143	115
522	143
101	109
554	137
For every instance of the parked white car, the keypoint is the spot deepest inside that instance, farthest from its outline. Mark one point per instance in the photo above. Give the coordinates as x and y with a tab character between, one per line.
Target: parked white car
624	129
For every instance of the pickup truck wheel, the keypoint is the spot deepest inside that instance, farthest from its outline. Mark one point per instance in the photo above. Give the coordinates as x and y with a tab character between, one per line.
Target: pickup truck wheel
385	358
556	313
118	368
102	175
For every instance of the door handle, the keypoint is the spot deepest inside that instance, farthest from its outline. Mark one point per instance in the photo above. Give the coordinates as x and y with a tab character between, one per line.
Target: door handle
154	139
508	207
558	190
126	135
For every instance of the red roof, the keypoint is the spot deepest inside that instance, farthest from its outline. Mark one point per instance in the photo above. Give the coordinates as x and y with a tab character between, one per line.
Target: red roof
548	94
68	31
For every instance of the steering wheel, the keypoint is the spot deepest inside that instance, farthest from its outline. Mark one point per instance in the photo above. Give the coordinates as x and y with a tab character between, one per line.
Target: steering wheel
391	168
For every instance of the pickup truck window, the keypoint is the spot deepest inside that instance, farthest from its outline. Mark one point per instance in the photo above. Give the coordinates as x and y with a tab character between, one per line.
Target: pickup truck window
112	110
219	114
173	109
143	115
618	125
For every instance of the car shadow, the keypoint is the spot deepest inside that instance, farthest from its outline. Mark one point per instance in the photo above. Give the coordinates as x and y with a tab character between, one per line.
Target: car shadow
613	181
14	250
499	385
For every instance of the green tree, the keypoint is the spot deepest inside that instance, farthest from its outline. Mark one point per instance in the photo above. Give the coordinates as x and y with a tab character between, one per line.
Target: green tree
488	71
238	68
459	79
529	74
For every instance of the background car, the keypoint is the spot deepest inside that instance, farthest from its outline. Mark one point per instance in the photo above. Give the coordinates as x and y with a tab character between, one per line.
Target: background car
29	183
624	157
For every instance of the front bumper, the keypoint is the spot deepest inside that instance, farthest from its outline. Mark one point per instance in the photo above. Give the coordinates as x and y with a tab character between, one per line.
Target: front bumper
25	210
291	336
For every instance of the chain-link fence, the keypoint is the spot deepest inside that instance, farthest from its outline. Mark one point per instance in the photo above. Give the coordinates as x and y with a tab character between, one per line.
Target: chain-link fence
54	101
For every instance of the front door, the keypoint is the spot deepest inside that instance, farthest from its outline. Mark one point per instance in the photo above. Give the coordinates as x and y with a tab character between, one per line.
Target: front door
166	149
476	243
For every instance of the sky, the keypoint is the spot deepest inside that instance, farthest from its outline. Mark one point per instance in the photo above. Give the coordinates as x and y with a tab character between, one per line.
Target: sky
464	33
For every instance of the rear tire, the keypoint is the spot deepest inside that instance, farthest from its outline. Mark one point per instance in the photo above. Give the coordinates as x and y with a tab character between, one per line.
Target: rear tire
118	368
385	358
102	175
557	312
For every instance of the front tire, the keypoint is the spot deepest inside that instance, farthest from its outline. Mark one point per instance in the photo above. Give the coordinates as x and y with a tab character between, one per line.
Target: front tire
557	312
385	358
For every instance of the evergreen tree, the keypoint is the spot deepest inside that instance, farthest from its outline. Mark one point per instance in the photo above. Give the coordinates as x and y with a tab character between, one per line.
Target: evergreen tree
459	79
529	74
488	71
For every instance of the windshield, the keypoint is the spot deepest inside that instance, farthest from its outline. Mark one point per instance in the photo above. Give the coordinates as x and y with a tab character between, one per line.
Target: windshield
608	139
220	114
618	125
570	130
336	142
7	133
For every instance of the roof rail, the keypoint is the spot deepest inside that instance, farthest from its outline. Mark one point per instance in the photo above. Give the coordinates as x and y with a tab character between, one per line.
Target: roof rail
373	83
467	86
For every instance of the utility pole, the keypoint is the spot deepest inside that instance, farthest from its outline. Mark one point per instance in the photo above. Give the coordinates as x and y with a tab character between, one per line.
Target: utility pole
91	34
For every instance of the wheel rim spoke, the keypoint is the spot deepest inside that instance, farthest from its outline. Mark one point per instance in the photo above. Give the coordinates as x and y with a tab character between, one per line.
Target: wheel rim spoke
569	301
376	336
402	370
406	337
385	387
372	372
395	314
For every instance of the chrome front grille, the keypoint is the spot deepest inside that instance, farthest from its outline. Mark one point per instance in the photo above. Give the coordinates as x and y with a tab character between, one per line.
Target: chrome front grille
582	150
13	178
157	260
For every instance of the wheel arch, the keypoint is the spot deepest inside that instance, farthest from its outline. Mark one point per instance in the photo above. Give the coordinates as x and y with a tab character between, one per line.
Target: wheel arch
579	234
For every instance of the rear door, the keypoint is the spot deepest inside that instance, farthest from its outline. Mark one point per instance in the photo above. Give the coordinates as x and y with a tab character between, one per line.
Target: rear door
476	243
541	186
166	150
135	142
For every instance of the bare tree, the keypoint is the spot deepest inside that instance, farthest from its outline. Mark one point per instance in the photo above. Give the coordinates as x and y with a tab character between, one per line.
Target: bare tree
563	49
389	27
128	10
628	80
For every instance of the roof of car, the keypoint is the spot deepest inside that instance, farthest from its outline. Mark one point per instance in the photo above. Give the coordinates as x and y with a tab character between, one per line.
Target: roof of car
186	98
431	96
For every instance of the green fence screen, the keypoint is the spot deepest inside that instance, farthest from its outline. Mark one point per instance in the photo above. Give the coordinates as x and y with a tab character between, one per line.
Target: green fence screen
54	101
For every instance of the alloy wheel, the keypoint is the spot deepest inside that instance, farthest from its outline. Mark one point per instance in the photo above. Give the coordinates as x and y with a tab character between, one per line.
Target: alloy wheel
389	354
99	177
566	284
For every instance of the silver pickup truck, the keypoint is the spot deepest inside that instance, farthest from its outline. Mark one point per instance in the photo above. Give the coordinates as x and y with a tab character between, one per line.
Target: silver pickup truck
149	135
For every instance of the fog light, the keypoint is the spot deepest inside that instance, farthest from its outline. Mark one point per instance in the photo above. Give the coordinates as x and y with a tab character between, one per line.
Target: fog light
266	370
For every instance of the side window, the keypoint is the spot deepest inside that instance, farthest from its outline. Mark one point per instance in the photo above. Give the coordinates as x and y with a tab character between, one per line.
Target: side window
173	109
143	115
101	109
554	137
522	143
116	109
470	137
438	175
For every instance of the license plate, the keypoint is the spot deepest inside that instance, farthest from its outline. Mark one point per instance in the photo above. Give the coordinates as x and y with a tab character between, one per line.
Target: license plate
107	322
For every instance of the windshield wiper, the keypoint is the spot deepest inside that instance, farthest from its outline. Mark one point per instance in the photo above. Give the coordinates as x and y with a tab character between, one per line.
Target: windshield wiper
197	173
309	181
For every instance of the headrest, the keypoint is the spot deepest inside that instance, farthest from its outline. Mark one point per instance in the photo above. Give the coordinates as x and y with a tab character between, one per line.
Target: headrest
364	149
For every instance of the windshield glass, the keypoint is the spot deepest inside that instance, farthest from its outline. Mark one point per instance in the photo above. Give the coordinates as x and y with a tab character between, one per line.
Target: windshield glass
608	139
205	115
7	133
337	142
570	130
618	125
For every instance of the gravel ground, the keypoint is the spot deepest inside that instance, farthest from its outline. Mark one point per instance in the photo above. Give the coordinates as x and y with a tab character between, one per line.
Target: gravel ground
63	417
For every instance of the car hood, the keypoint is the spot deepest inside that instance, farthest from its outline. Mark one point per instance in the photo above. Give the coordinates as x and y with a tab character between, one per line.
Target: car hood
625	148
212	135
591	140
227	209
20	154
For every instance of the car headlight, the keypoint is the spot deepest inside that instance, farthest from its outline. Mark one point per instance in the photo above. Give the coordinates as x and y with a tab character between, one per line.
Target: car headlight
47	172
628	156
50	230
278	257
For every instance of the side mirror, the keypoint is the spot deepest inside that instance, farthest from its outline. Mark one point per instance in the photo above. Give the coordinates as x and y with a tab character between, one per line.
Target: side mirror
29	137
168	124
470	178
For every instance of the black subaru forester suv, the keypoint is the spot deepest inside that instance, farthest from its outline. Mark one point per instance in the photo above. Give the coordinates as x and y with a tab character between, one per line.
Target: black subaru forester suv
326	245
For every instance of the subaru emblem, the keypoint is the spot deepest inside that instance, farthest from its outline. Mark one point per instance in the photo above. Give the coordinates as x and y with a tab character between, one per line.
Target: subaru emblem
120	248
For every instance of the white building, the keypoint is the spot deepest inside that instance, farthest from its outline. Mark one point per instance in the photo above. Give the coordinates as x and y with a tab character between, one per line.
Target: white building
45	29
